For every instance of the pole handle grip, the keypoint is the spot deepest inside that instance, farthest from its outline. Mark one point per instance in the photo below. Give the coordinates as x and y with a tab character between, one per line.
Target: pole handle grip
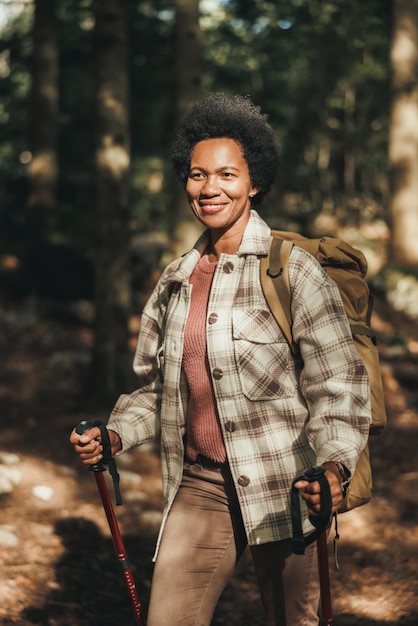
320	523
108	459
81	428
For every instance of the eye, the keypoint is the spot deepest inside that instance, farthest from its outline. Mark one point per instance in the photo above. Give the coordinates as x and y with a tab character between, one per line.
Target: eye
196	175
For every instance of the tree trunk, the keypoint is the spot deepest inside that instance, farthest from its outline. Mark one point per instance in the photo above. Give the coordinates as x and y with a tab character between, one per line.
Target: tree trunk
403	137
349	151
112	363
188	90
43	169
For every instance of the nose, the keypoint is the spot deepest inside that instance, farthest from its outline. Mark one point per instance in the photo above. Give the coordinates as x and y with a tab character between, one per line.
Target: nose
210	187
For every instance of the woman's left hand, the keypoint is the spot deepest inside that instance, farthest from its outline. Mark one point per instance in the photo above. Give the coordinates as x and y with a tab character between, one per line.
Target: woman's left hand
311	491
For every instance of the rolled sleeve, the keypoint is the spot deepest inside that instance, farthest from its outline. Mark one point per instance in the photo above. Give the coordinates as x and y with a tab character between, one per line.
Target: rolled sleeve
334	381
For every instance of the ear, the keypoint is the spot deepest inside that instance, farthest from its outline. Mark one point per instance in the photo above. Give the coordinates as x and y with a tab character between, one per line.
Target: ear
253	192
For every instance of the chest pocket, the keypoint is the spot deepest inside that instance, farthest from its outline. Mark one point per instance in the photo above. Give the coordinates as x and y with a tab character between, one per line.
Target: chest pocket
264	361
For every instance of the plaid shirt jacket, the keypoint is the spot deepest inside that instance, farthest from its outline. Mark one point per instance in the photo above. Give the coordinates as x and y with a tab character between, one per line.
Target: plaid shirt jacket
279	414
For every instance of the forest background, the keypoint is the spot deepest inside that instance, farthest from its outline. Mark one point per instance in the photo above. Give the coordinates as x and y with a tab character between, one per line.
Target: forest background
90	93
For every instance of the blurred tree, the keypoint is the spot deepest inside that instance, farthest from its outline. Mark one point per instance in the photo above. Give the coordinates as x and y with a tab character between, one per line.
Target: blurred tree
188	73
188	54
112	362
319	68
76	191
43	167
16	43
151	66
403	145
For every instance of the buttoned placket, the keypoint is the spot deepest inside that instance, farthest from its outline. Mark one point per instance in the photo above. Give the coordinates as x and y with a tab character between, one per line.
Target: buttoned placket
220	326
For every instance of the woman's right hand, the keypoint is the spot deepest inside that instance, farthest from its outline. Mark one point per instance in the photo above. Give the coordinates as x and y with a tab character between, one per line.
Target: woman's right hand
89	447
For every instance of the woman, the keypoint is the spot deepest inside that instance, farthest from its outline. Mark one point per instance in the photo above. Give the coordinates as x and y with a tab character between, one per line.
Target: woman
238	416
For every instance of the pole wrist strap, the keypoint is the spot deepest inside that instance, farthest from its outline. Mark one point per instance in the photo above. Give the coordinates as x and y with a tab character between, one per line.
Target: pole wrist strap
109	460
322	522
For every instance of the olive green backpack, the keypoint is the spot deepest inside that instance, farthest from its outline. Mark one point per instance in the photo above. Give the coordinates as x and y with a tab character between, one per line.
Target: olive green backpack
347	267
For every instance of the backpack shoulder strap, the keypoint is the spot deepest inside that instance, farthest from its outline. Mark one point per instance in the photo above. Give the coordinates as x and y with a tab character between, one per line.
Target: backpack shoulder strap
274	276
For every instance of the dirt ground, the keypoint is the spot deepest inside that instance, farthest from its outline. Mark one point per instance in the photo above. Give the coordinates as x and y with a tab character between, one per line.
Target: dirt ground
57	561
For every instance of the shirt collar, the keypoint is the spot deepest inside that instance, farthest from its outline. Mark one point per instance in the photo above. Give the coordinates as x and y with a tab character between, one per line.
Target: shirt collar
255	240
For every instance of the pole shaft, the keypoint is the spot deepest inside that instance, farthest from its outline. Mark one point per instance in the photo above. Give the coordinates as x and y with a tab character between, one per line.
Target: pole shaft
324	582
119	546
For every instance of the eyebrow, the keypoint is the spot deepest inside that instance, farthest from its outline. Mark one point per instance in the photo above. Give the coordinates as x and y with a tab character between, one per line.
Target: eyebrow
219	169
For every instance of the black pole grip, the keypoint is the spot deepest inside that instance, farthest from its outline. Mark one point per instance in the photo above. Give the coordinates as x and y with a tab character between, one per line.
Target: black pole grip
322	522
108	459
83	426
80	429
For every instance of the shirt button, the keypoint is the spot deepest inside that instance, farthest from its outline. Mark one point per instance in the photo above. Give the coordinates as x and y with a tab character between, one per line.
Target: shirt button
244	481
230	427
228	268
213	318
217	373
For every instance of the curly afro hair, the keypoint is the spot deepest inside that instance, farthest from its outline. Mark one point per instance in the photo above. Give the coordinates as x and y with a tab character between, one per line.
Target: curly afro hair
234	117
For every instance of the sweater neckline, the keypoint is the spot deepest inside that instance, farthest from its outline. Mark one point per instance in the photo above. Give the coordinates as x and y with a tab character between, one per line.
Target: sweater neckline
204	265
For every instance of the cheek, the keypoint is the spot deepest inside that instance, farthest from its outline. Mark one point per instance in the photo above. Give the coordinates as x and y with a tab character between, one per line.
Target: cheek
239	192
192	190
191	199
191	195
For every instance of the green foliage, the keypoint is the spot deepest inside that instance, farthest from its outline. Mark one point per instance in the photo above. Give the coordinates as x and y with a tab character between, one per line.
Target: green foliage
318	68
15	54
76	138
152	111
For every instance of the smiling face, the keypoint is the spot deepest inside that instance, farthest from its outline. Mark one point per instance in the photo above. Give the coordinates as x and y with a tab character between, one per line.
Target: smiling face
218	186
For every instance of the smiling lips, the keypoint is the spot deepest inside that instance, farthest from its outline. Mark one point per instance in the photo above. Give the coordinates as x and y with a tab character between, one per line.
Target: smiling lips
211	208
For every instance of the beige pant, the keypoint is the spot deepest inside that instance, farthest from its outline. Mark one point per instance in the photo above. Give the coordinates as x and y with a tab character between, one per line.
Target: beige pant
203	541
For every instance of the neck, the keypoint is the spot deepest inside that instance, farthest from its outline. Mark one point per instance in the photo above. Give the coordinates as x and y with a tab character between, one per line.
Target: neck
220	246
227	241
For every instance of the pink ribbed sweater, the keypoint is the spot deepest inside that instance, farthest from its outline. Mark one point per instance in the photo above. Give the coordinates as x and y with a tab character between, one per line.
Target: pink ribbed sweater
204	434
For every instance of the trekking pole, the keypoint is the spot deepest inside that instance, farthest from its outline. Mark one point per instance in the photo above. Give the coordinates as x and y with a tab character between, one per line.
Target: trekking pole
324	582
98	469
321	524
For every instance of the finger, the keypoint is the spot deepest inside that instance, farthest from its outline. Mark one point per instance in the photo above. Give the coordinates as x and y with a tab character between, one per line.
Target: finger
86	437
313	504
89	450
90	435
301	484
312	501
313	487
74	437
91	460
